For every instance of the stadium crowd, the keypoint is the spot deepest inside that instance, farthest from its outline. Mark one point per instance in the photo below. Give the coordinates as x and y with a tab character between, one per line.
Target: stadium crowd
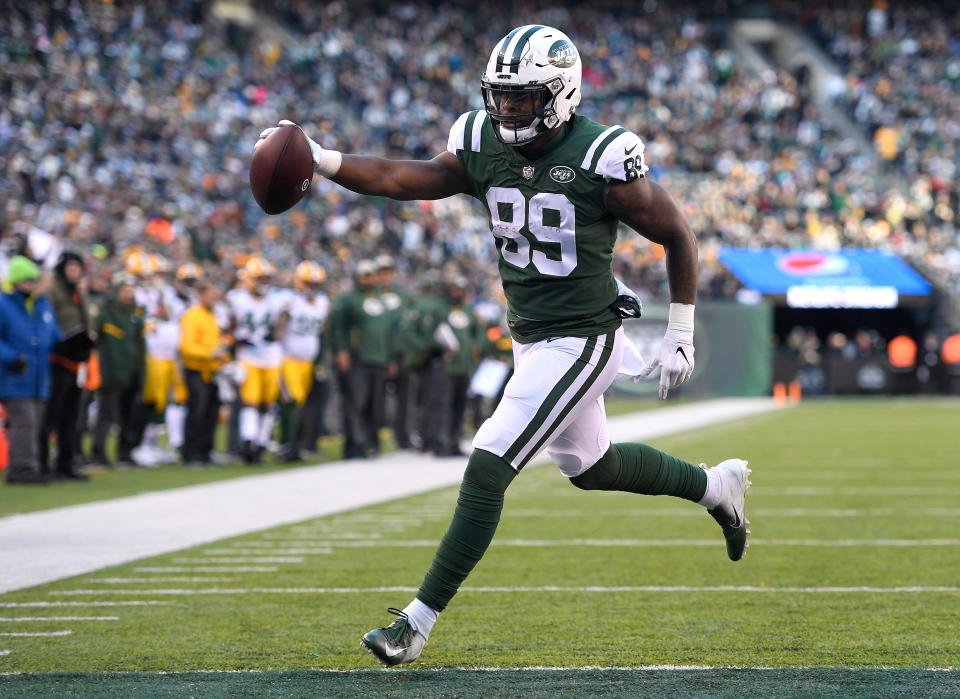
128	130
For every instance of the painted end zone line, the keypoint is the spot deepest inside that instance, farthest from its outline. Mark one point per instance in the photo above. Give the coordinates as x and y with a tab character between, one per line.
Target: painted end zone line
544	588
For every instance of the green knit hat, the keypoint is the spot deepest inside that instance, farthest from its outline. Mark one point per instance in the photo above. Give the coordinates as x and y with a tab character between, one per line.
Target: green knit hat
21	269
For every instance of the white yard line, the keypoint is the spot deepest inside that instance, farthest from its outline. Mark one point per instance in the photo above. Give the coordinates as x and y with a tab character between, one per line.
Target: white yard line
155	579
909	589
207	569
114	603
18	634
208	560
40	547
58	618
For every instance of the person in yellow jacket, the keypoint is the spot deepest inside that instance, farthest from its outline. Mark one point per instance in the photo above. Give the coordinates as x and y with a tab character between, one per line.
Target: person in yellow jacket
202	352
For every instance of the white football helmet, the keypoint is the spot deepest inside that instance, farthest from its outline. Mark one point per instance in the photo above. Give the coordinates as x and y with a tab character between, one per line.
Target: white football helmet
531	83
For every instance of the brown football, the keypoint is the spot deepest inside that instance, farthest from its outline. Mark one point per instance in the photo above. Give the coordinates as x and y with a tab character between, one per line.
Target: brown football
281	170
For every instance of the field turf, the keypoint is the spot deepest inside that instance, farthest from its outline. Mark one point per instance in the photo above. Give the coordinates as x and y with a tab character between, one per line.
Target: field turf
851	586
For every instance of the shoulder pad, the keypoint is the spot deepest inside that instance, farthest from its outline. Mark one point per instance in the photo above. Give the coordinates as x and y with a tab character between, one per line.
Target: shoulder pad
465	132
616	154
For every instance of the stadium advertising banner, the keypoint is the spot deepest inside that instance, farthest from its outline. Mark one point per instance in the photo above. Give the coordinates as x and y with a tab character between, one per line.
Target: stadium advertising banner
828	278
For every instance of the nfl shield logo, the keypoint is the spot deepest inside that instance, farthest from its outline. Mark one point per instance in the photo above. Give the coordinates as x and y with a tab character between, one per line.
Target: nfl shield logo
527	172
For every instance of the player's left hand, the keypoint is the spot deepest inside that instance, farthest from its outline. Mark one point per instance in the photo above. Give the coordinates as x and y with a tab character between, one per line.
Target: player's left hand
627	304
674	359
315	148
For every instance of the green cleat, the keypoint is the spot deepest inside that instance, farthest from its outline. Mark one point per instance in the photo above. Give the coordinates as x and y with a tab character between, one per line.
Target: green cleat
396	644
729	513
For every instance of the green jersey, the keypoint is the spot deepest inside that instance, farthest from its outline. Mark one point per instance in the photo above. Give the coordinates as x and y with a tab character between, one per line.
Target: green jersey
550	222
359	323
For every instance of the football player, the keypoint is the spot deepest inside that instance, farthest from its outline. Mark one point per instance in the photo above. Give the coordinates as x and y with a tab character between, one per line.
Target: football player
555	185
164	392
257	322
304	317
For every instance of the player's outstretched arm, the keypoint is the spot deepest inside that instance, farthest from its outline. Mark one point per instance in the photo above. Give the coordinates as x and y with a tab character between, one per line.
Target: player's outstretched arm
441	177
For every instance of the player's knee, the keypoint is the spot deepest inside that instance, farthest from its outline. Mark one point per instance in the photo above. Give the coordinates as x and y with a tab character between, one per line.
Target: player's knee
601	474
488	471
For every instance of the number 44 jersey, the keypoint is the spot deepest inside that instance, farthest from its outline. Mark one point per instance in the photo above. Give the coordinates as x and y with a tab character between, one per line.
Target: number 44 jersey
550	222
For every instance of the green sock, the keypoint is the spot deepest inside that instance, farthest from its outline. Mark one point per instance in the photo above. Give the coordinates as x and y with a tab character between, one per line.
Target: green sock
474	522
638	468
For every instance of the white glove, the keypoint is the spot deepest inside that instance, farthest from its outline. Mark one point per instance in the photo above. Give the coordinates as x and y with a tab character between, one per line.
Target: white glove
328	161
675	356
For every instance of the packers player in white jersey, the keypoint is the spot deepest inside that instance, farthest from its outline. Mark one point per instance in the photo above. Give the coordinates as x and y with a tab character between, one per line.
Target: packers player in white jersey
556	185
257	323
305	315
164	390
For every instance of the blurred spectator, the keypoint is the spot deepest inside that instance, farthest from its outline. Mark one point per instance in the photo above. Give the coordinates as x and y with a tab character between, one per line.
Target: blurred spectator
459	365
361	337
202	354
68	298
121	348
28	330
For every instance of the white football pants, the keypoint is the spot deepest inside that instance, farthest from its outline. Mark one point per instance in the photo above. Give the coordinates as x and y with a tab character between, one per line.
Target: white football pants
554	401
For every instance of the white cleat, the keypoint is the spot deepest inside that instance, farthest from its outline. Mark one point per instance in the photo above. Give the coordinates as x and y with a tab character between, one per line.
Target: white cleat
729	512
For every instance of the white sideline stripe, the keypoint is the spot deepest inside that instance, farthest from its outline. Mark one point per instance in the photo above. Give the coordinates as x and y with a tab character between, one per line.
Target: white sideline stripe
909	589
155	579
129	603
239	559
18	634
59	618
207	569
660	543
40	547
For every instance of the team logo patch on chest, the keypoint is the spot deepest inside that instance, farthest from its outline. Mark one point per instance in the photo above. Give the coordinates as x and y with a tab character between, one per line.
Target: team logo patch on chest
562	174
527	172
372	307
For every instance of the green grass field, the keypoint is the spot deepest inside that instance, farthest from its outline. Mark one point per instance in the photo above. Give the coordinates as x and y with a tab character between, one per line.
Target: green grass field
851	586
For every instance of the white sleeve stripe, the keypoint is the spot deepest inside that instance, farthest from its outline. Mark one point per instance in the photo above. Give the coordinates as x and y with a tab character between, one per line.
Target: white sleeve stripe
621	141
477	130
455	142
593	146
612	155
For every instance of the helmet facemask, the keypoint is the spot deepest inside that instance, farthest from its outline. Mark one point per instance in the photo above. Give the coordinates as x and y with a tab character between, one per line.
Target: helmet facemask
520	113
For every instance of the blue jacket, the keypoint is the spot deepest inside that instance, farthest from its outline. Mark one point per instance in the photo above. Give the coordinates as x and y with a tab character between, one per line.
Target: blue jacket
28	336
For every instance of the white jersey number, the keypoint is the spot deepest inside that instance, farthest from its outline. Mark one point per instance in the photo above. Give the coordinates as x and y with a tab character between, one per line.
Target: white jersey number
515	248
